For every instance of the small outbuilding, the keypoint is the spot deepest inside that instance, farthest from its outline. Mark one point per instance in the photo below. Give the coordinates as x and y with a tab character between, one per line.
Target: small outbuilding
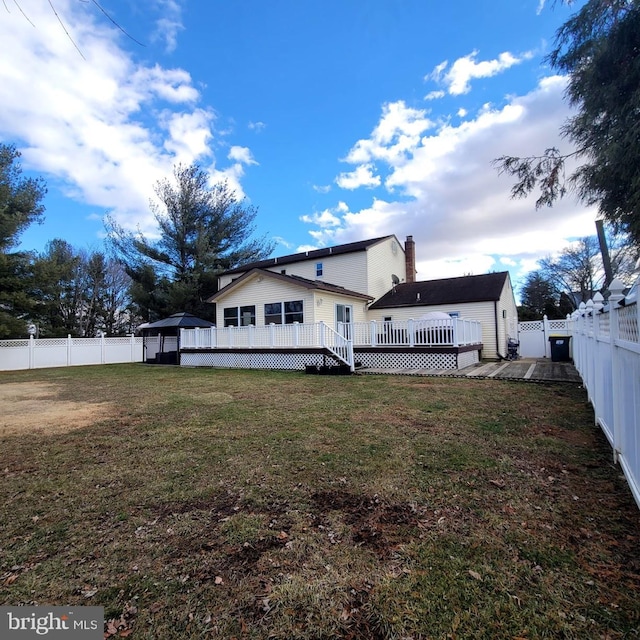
161	339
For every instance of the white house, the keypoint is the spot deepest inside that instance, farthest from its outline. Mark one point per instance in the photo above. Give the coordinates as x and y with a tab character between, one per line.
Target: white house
366	294
333	285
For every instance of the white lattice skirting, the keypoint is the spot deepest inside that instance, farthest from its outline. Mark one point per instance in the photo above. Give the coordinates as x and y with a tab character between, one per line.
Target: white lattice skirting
299	359
252	360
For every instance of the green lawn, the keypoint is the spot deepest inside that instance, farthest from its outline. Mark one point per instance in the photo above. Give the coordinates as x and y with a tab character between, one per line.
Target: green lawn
196	503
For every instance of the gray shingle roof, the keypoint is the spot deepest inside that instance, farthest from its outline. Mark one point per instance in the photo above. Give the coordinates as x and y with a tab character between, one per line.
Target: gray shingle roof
445	291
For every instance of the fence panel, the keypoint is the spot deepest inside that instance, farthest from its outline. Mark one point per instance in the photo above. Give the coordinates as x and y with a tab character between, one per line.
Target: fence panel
14	355
533	336
607	356
64	352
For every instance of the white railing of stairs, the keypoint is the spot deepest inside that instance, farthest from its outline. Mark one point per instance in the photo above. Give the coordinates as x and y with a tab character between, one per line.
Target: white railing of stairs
339	345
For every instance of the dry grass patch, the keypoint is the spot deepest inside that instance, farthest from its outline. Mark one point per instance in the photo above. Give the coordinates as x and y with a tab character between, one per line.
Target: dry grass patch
34	407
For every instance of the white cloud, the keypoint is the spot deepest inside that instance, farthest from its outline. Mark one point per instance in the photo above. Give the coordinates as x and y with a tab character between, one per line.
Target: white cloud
170	24
541	4
462	113
172	85
398	131
189	134
257	126
242	155
435	95
458	77
328	218
362	176
319	188
105	127
446	193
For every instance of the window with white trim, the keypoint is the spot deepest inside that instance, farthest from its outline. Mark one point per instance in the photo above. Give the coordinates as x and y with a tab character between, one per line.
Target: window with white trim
284	312
239	316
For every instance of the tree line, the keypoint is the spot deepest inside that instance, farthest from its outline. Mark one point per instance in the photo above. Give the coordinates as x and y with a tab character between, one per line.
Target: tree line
204	230
575	275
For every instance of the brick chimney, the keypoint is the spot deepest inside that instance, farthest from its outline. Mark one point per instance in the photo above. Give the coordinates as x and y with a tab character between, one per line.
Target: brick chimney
410	259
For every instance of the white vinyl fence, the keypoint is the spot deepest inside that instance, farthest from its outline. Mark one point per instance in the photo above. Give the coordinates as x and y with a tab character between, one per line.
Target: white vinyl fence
533	336
606	352
66	352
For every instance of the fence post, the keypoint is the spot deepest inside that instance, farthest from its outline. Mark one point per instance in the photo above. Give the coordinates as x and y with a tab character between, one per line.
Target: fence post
132	344
373	338
455	331
69	346
615	289
411	336
322	337
545	336
32	344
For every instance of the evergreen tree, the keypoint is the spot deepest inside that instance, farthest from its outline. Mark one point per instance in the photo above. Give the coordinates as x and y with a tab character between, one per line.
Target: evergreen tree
204	230
539	298
20	206
598	48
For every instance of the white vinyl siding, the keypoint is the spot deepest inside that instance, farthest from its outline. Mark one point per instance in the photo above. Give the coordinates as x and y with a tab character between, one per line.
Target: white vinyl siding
507	317
325	307
259	293
347	270
382	262
368	271
481	311
223	281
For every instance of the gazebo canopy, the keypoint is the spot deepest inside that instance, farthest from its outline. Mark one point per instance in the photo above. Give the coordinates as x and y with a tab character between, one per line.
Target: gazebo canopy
178	321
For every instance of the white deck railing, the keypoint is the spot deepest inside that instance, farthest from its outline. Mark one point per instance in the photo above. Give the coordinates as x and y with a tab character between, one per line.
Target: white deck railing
273	336
454	332
412	333
606	352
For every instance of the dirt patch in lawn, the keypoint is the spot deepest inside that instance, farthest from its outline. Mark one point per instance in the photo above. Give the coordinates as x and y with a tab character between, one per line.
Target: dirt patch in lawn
35	408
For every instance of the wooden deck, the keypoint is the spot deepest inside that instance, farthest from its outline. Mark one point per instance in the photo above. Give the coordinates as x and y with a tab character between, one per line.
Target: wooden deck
534	370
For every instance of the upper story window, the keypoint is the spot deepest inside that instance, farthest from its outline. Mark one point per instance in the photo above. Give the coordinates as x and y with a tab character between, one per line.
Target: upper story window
319	269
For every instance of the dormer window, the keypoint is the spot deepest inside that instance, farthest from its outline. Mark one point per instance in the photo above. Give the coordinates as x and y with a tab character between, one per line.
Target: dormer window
318	269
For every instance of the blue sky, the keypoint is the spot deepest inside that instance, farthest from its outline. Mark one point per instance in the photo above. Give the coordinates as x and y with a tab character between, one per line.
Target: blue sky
339	119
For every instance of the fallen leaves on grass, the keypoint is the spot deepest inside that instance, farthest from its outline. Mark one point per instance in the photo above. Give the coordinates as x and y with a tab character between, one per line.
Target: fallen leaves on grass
121	627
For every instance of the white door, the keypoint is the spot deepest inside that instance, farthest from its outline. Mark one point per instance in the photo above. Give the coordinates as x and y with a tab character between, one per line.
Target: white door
344	318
